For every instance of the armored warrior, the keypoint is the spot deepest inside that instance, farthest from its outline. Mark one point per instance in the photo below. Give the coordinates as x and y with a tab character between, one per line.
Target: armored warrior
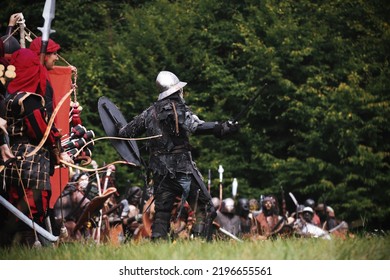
227	217
243	212
171	164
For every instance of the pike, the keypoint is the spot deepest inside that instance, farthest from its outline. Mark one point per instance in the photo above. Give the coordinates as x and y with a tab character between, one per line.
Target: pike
48	15
284	211
220	171
209	182
95	166
47	235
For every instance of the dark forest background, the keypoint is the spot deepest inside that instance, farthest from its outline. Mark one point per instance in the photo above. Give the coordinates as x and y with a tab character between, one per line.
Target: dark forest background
321	127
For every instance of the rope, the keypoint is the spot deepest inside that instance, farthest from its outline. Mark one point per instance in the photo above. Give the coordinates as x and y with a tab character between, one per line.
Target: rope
115	138
95	169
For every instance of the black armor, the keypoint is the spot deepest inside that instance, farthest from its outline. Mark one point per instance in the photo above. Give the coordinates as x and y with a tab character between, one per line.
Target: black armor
170	162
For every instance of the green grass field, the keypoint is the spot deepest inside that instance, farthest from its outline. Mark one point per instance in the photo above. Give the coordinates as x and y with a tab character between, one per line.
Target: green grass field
369	247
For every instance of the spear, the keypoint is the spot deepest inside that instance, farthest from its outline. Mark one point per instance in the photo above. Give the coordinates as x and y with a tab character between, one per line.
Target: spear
209	182
220	171
95	166
48	15
284	210
234	187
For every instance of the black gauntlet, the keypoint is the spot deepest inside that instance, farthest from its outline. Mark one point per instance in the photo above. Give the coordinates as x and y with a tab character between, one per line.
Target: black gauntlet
225	128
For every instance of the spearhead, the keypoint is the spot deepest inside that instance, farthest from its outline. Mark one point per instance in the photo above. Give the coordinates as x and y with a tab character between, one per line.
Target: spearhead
220	171
48	16
234	187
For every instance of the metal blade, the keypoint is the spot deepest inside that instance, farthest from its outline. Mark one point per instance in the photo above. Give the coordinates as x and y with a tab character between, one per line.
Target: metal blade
48	14
27	221
230	234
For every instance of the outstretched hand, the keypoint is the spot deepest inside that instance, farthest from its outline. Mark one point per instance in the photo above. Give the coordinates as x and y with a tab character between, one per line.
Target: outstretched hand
226	128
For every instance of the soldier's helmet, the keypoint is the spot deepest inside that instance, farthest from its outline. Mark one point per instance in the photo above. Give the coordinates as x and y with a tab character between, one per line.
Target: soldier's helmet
310	203
134	195
300	208
216	202
168	83
227	206
308	214
11	44
243	207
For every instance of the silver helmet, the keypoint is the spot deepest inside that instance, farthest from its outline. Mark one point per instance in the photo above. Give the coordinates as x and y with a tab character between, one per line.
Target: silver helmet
227	206
216	202
11	44
168	83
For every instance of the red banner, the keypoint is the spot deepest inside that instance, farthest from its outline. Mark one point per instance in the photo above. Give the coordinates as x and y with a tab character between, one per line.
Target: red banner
61	81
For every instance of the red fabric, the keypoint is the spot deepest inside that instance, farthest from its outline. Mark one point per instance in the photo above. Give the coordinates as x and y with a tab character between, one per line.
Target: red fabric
38	206
61	81
29	73
52	46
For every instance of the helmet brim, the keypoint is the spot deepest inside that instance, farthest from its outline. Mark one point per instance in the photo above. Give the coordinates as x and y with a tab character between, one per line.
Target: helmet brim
171	90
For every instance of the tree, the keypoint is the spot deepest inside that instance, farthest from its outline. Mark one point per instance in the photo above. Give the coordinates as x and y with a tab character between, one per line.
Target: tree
321	127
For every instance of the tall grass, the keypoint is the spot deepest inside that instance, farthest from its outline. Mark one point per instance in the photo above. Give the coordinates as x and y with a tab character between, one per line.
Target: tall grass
357	248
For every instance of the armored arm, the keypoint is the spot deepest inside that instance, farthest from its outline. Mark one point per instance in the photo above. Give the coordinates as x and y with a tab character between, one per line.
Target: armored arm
134	128
218	129
205	128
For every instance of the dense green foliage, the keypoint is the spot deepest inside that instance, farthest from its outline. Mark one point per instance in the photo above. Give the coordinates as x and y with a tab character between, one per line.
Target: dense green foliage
321	127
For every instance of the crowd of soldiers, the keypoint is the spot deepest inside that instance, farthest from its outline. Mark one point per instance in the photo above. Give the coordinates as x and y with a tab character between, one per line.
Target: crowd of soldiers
178	206
263	219
129	217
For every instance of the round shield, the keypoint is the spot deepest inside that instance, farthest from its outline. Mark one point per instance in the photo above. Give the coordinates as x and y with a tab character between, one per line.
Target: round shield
110	116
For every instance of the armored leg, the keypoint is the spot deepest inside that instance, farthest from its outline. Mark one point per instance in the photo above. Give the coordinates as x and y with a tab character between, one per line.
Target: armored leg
165	192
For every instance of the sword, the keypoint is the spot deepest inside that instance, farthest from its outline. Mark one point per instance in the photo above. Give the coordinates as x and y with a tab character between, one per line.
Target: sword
48	15
230	234
293	199
340	225
47	235
249	104
295	202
